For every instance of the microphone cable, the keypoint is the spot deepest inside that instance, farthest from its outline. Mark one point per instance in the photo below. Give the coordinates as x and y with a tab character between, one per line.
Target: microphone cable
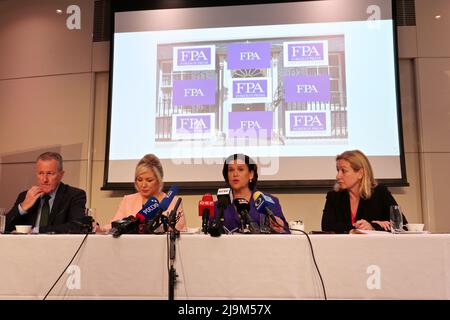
71	260
314	260
168	250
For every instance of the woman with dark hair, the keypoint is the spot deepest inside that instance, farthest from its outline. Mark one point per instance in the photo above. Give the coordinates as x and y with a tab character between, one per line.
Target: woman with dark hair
241	175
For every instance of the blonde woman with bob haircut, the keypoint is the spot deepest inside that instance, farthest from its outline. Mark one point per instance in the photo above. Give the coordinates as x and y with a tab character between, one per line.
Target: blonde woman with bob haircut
357	201
148	182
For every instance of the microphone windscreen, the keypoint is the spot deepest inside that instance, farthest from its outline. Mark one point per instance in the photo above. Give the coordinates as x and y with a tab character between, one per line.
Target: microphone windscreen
224	197
260	202
172	219
264	204
242	205
165	202
149	209
257	198
206	203
268	199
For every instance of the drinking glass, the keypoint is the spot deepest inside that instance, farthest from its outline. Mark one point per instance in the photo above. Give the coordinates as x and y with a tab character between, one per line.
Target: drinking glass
396	217
93	221
91	212
2	220
264	223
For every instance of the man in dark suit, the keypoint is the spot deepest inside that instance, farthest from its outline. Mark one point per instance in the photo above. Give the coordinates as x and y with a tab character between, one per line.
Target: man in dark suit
49	206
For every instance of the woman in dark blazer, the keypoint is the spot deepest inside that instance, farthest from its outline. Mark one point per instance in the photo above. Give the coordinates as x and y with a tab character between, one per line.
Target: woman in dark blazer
357	201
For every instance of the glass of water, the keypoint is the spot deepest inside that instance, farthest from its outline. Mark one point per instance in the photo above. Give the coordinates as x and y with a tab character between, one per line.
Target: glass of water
396	219
2	220
91	212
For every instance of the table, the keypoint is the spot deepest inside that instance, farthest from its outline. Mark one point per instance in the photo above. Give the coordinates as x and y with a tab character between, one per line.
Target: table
376	266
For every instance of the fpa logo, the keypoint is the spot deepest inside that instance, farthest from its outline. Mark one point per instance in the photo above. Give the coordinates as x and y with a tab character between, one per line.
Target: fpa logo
248	55
306	88
305	53
250	90
194	92
194	58
251	124
193	126
308	123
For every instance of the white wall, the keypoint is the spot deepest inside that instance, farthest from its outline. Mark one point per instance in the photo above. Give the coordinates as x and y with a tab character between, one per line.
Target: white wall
433	92
46	89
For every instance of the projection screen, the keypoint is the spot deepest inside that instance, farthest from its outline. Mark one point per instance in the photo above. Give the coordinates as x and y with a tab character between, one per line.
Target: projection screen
291	84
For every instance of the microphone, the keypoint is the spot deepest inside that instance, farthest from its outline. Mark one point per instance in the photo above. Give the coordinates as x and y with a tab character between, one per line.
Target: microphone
83	225
155	222
132	224
172	219
263	204
206	210
247	223
224	196
149	210
129	224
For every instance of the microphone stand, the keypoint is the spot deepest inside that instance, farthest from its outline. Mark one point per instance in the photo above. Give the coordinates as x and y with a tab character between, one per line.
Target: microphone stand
243	227
173	235
205	221
264	227
216	228
165	223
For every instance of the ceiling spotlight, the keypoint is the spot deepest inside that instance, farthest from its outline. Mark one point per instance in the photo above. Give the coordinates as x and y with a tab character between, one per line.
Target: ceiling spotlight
437	17
58	11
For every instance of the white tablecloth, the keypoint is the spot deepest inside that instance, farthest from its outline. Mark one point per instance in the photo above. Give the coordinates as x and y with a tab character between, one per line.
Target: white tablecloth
386	266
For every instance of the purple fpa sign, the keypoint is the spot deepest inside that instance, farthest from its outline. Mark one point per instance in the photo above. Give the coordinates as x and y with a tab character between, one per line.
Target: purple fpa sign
194	92
306	88
194	58
250	124
305	53
249	56
193	126
250	90
308	121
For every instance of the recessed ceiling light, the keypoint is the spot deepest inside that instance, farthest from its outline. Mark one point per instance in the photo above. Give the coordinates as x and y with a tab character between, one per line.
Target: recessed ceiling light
58	11
437	16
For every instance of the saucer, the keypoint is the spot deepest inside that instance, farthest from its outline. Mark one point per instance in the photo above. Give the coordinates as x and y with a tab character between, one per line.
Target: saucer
414	232
16	232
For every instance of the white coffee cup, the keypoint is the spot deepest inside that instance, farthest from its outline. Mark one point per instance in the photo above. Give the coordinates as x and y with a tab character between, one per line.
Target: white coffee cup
23	229
296	225
415	226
